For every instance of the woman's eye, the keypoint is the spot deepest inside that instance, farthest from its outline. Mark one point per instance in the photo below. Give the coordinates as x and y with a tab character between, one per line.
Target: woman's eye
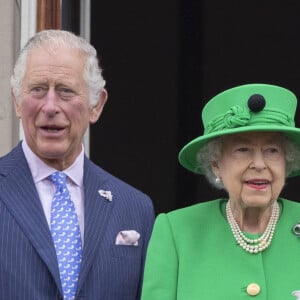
272	150
243	149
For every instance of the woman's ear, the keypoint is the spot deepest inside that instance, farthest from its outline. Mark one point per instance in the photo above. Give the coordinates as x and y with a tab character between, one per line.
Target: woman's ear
98	108
215	168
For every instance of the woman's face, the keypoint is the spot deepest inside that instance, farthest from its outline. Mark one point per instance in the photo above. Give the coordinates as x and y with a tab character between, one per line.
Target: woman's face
252	168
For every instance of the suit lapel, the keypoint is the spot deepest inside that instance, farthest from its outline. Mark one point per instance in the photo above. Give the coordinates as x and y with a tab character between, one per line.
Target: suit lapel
28	212
97	213
18	193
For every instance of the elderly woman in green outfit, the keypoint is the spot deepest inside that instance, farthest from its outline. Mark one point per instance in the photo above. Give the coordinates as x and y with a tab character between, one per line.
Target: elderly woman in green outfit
244	246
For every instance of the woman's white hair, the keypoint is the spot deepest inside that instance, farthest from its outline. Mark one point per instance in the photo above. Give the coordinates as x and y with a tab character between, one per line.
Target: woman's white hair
211	152
60	38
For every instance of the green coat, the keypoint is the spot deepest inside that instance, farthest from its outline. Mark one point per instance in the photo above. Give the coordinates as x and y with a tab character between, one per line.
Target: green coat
193	255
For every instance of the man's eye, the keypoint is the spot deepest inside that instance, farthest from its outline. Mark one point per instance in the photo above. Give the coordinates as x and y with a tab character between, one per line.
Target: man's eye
38	91
65	92
243	149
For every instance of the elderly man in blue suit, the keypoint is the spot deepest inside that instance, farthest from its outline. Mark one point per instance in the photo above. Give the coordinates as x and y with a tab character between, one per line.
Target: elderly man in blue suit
68	229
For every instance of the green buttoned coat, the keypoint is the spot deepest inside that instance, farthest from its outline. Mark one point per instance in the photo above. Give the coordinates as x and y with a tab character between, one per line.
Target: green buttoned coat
193	255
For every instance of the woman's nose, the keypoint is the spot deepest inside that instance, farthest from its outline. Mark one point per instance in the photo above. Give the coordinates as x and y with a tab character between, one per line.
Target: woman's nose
258	160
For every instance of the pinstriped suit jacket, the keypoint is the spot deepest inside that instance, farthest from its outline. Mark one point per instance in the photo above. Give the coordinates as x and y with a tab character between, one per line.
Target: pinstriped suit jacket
28	266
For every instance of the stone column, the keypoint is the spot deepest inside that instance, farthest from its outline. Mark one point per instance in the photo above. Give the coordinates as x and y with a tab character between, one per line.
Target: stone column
9	46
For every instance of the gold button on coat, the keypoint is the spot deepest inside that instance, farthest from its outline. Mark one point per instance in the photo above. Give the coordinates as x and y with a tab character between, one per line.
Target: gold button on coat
253	289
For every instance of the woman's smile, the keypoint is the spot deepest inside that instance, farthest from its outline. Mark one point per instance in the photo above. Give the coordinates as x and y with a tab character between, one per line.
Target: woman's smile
258	184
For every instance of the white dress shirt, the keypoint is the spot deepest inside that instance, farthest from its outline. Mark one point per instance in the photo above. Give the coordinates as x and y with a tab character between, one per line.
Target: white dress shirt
46	189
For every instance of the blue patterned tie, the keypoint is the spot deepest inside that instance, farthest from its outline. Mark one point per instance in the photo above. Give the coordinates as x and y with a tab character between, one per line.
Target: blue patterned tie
66	235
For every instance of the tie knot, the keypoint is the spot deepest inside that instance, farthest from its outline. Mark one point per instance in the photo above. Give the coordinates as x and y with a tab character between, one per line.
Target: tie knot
58	178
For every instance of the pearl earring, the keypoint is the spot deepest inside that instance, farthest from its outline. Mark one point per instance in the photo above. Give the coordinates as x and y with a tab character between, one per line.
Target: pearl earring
218	180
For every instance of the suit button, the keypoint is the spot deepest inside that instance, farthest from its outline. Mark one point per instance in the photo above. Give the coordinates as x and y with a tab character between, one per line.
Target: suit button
253	289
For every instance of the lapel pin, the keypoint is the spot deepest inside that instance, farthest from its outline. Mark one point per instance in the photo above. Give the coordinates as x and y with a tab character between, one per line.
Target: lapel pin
106	194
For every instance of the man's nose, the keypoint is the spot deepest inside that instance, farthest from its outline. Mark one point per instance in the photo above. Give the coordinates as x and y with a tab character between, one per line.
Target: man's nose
51	104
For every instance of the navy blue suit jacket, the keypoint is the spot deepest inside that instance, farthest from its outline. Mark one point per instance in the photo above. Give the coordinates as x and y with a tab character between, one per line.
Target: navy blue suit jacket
28	265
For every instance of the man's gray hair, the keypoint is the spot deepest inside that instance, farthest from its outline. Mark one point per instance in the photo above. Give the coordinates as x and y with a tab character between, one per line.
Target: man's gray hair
60	38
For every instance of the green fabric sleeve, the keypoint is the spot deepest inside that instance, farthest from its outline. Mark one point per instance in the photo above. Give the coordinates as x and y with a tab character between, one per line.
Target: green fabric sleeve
160	277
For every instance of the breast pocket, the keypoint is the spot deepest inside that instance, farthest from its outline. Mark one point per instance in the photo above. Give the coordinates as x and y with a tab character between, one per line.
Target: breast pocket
124	251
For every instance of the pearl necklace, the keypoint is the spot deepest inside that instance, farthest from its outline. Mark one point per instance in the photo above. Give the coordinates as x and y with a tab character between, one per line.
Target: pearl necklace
253	246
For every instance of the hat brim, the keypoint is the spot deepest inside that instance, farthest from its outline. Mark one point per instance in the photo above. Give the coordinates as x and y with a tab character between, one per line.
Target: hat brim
188	154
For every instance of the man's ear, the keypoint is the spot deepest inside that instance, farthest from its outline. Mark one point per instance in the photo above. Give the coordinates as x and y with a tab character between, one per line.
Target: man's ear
16	105
98	108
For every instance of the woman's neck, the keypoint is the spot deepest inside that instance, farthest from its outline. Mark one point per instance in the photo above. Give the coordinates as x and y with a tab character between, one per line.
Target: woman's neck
252	220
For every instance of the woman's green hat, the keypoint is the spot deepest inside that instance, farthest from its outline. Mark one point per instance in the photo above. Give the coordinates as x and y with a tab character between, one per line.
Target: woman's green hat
251	107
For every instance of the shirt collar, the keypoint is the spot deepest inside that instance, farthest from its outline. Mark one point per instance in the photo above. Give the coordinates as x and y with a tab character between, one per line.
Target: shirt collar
40	170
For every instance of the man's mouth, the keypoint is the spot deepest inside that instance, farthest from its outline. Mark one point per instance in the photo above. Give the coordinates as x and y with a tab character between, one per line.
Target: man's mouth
52	129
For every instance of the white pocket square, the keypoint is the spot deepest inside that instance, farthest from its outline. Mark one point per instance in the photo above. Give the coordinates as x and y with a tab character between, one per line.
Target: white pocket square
127	237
